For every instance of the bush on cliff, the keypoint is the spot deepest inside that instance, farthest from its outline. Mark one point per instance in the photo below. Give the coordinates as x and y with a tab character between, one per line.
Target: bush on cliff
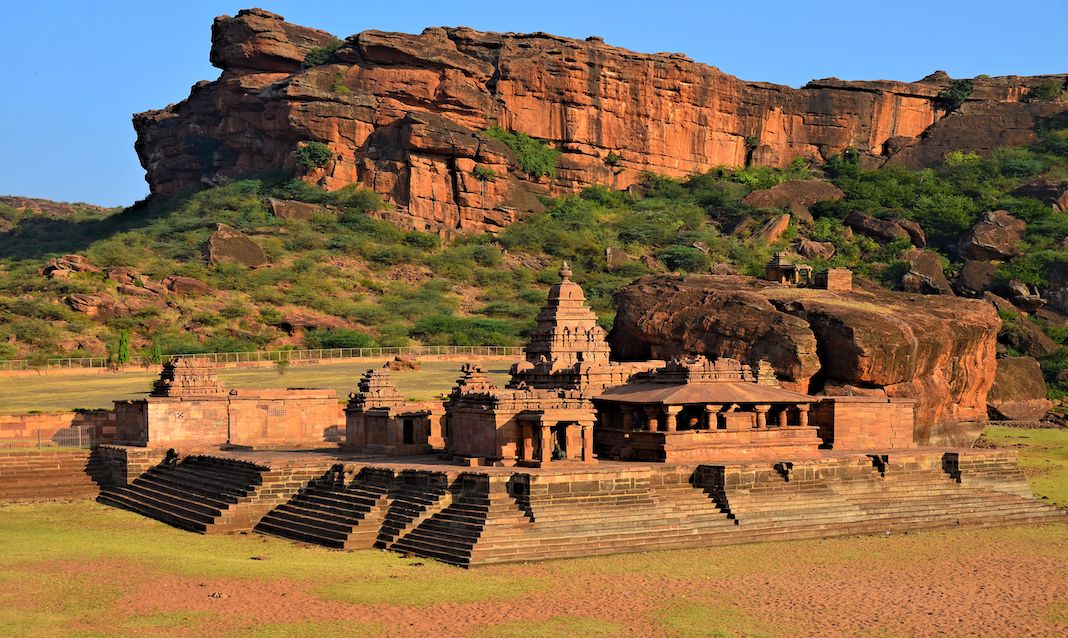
322	54
312	155
535	157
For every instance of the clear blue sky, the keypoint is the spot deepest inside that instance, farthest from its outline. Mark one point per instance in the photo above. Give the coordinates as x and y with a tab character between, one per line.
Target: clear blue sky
76	71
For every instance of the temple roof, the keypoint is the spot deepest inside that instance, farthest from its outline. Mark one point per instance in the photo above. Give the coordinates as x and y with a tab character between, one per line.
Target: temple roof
696	379
724	392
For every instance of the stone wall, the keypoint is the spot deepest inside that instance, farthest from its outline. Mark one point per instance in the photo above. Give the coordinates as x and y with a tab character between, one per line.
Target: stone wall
865	422
51	428
256	418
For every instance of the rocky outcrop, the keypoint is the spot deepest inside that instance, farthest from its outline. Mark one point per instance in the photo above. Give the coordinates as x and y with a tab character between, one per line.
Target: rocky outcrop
773	229
795	194
1053	194
229	244
65	266
996	237
883	231
815	249
975	278
290	209
402	114
924	274
939	349
1019	391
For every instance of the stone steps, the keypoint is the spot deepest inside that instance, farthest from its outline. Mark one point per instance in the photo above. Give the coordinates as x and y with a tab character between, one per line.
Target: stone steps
329	515
196	494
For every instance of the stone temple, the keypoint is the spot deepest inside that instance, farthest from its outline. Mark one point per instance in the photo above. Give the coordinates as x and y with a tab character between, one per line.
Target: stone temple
577	455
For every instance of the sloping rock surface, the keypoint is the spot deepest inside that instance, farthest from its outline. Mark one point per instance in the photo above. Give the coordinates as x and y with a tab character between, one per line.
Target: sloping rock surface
403	113
1019	391
937	349
229	244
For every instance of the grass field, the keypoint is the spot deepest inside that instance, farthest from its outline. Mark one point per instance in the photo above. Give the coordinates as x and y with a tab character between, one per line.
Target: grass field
1043	457
98	390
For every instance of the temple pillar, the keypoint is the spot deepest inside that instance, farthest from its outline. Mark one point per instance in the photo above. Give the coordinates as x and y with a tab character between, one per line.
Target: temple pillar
671	416
546	444
587	444
527	442
802	414
782	417
627	414
761	416
652	414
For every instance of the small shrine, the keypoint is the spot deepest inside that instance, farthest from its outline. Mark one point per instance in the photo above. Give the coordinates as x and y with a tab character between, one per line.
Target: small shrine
188	377
781	270
378	420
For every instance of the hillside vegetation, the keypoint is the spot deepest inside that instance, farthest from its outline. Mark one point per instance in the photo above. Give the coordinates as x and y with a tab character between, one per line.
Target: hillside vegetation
345	278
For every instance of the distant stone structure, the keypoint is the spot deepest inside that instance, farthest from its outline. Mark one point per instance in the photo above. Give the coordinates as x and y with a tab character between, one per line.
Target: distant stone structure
783	271
379	421
190	406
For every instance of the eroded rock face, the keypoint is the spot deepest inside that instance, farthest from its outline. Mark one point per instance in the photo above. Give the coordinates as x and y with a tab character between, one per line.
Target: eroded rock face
402	114
996	237
1019	391
939	350
229	244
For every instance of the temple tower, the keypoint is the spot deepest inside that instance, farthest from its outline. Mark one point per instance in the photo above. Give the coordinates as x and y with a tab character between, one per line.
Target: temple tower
567	332
188	377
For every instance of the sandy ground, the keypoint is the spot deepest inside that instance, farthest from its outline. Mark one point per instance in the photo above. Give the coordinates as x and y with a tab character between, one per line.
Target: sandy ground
957	583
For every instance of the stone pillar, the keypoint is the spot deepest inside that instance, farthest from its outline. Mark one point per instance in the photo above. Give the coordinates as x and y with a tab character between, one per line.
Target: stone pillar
782	417
802	414
671	416
546	444
527	452
652	413
627	414
587	444
761	416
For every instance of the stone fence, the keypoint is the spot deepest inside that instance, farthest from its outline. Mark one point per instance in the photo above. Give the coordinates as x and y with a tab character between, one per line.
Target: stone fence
50	429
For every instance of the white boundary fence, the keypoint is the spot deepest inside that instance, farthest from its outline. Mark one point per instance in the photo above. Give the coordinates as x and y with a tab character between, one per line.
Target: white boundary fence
292	356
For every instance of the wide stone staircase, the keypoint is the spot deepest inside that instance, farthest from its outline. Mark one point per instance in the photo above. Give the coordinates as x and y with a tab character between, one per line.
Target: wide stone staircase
332	512
198	493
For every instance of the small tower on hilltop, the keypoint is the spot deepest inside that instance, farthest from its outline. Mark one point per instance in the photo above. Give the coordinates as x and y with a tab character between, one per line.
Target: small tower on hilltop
188	377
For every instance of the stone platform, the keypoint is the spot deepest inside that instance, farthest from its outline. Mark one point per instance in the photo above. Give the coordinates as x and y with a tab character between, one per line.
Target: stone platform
476	516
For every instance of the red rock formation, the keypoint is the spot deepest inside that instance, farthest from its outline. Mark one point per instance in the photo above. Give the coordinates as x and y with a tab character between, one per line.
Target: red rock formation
1019	391
937	349
402	113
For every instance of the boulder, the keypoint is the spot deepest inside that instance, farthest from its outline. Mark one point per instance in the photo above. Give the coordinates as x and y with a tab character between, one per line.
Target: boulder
123	275
975	278
815	249
1019	391
1053	194
1024	296
938	349
100	305
138	291
925	273
881	230
995	237
1056	292
795	194
292	209
61	267
297	319
181	285
915	231
229	244
262	41
773	228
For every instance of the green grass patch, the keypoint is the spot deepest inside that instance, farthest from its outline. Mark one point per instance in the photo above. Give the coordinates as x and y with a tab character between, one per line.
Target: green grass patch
1043	456
312	629
707	620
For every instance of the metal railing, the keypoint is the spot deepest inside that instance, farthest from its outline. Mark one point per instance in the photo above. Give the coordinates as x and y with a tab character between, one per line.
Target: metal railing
291	356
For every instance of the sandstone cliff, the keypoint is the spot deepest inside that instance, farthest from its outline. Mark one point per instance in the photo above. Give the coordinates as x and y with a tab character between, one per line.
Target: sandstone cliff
937	349
402	115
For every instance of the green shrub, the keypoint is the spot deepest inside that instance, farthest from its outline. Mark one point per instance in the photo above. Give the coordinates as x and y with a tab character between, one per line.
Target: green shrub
685	258
484	174
312	155
534	157
613	159
326	338
953	96
1048	91
464	331
339	86
321	54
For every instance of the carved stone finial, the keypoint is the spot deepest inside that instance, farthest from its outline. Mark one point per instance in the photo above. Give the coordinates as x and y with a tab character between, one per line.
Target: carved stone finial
565	272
